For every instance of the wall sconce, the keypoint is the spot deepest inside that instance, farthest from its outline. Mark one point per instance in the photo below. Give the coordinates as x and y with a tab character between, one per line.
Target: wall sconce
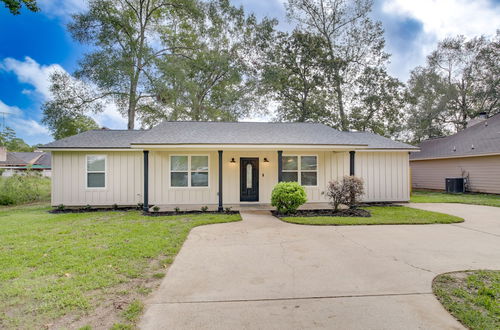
265	160
232	160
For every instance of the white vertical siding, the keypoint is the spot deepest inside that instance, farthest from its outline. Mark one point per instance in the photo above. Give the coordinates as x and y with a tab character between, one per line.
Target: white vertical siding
385	175
124	179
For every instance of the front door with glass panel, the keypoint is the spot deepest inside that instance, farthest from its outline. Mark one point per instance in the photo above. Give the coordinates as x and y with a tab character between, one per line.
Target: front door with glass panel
249	179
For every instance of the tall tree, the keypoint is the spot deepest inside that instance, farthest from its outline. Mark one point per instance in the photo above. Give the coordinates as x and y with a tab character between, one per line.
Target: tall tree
460	80
121	35
379	103
293	76
213	77
9	140
354	41
15	6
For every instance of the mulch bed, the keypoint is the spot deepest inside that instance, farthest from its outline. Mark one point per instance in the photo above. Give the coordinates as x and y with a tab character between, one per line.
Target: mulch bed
151	213
326	213
163	213
88	210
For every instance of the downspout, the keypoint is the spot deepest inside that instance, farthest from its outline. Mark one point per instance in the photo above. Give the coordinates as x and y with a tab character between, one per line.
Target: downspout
146	180
220	208
280	165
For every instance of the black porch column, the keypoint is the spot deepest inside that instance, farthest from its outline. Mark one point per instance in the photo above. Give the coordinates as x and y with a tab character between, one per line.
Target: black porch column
220	209
280	165
146	180
351	162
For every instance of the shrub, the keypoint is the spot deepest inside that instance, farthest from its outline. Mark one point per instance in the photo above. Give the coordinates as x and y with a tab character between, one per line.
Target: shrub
20	189
287	197
345	191
204	208
115	206
88	207
140	206
228	209
177	210
61	207
156	208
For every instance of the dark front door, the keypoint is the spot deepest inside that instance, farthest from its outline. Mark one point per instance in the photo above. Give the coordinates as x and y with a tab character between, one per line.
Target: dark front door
249	179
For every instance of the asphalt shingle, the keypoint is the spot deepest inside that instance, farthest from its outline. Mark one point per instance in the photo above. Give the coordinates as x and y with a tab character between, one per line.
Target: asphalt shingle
170	133
479	139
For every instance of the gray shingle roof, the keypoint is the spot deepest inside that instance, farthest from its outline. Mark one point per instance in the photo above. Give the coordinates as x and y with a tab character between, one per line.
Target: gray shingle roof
259	133
484	136
227	133
102	138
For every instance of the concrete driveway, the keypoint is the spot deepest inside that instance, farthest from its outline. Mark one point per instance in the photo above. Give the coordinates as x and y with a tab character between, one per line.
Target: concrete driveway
262	273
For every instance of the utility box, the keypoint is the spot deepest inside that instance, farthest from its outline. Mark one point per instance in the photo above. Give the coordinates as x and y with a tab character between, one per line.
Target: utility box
455	185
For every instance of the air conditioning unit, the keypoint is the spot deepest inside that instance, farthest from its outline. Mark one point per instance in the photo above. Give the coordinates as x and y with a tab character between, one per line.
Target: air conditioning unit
455	185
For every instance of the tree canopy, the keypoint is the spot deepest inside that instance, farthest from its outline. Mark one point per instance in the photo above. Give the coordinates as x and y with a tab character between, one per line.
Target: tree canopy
15	6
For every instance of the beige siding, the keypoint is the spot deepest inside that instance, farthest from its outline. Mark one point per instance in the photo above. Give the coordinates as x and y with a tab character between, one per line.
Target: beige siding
484	173
123	175
385	175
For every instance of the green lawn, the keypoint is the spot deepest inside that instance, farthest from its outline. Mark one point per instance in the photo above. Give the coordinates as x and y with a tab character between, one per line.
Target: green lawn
57	267
381	215
425	196
473	297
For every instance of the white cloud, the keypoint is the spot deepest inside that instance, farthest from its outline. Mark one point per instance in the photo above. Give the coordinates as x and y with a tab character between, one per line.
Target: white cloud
9	110
443	18
31	72
28	127
62	8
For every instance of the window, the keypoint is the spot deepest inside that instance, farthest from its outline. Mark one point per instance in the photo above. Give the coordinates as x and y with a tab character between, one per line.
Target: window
301	169
188	171
96	171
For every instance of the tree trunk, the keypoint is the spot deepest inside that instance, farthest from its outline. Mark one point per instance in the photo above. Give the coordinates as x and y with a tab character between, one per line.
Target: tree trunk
344	126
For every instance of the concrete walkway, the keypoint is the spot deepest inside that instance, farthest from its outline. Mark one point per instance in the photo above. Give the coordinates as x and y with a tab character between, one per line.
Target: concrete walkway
262	273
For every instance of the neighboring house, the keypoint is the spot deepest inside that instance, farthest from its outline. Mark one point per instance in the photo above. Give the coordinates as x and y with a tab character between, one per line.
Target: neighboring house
18	162
219	163
473	153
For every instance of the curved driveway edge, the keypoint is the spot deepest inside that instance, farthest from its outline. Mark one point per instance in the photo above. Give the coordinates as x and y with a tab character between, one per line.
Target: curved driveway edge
263	273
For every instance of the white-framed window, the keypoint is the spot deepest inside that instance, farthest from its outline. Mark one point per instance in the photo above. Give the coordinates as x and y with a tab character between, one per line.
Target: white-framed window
95	176
189	171
301	168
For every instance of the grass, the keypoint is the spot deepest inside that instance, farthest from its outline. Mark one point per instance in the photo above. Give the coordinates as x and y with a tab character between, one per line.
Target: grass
426	196
473	297
57	267
381	215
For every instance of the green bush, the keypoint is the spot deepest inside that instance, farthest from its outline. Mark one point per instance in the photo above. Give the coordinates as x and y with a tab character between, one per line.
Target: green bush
287	197
20	189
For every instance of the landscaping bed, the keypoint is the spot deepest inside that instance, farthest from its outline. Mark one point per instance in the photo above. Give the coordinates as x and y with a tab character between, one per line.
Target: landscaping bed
380	215
472	296
326	212
85	269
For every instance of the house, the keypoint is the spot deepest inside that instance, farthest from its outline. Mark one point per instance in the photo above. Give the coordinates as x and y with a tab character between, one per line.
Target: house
188	164
19	162
473	153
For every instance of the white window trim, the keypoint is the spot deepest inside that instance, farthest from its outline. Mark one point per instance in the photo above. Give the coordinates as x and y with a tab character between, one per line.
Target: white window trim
299	170
105	172
189	171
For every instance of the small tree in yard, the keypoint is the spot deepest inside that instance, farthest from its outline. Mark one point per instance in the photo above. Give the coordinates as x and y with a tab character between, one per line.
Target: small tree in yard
345	191
288	196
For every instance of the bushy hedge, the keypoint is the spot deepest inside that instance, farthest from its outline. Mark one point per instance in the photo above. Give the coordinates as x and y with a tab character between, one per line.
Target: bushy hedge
288	196
20	189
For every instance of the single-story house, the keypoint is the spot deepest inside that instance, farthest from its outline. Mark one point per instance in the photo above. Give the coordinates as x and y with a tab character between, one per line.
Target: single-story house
473	153
19	162
183	164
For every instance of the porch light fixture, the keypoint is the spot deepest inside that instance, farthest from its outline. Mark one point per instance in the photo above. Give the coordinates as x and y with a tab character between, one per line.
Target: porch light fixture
232	160
265	160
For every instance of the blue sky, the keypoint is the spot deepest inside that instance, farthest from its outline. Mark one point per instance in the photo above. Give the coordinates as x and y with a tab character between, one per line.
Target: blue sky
32	45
